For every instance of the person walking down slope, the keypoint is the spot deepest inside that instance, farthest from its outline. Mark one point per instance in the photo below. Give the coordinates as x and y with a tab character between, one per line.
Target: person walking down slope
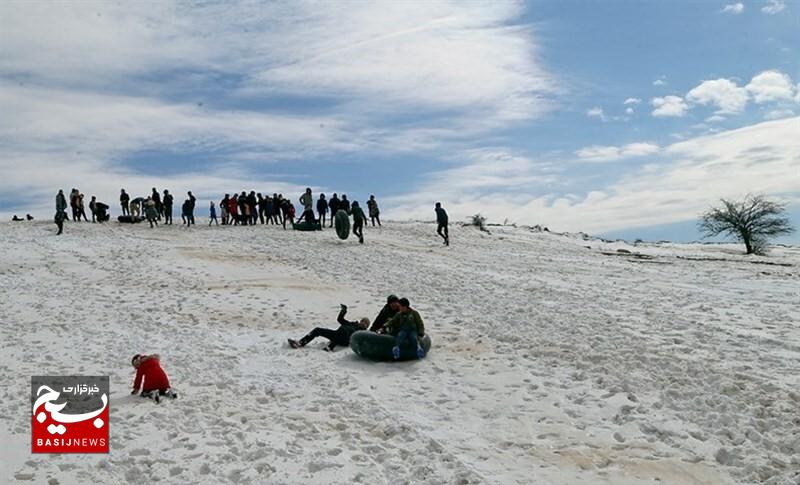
374	212
334	206
441	221
212	214
359	219
322	209
166	203
340	336
124	199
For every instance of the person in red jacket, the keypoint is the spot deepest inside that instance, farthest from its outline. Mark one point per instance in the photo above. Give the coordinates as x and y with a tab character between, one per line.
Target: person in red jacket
156	383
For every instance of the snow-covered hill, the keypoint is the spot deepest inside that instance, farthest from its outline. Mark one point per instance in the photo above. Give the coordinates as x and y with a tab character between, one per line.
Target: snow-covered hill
556	359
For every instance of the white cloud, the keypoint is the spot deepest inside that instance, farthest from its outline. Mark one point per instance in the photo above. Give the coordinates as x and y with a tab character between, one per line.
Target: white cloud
722	93
777	114
660	82
633	101
110	79
596	112
773	6
770	86
600	153
629	111
694	174
669	106
734	8
714	119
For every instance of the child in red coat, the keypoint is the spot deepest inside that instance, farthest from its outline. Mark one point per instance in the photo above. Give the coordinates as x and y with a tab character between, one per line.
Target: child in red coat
156	383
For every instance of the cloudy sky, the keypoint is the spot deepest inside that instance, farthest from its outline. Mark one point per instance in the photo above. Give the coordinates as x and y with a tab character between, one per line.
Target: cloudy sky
615	118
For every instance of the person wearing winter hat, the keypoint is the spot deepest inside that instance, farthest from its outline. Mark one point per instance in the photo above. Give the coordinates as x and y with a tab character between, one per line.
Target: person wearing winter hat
150	376
387	312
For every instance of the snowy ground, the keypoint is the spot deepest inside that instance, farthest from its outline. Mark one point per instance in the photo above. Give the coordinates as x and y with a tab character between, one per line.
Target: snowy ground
552	362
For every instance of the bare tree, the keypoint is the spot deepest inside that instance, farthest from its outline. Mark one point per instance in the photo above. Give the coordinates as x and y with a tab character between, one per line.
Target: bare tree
752	221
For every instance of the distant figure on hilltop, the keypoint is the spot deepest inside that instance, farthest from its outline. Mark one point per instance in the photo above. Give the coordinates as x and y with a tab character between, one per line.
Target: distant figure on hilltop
167	202
442	221
322	209
157	200
344	204
124	199
374	212
334	206
192	199
212	214
150	211
81	209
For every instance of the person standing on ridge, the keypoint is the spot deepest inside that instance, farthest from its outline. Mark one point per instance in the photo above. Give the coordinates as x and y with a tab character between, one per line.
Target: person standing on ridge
441	221
167	202
81	209
212	214
92	208
61	211
157	200
374	212
344	204
124	198
322	209
333	205
192	200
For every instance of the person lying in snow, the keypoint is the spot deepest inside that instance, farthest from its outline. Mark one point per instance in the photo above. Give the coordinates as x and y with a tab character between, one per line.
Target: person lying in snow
340	336
156	383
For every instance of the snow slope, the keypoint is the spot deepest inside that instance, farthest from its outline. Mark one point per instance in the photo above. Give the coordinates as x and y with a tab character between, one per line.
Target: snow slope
556	359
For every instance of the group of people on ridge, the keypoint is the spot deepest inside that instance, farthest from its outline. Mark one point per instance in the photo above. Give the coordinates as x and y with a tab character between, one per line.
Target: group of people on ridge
396	318
241	209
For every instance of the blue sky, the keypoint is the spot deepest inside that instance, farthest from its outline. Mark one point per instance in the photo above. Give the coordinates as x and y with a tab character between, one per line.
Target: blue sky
615	118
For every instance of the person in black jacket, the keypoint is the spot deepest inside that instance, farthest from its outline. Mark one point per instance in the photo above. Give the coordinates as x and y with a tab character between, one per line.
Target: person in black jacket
166	203
124	198
157	199
192	201
334	205
389	310
340	336
322	209
344	204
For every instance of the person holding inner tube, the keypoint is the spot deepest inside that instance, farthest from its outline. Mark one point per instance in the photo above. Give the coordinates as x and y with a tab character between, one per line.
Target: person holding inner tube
407	328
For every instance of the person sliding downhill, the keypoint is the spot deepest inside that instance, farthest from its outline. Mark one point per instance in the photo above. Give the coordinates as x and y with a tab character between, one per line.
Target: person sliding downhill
407	328
340	336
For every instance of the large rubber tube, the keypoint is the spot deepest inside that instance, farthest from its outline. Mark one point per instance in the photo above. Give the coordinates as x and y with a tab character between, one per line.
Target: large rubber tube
306	226
130	219
377	347
342	224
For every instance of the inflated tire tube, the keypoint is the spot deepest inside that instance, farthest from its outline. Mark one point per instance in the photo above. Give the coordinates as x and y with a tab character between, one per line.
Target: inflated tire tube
342	224
130	219
378	347
306	226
